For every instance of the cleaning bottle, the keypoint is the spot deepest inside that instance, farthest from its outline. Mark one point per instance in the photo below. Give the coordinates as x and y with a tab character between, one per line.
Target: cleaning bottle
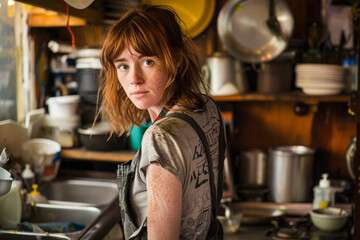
323	193
28	176
35	196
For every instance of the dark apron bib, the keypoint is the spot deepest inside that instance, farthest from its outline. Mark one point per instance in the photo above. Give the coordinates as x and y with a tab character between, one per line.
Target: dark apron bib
126	173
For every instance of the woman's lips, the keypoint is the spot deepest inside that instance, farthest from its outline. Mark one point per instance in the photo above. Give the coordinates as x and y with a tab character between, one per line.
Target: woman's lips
138	94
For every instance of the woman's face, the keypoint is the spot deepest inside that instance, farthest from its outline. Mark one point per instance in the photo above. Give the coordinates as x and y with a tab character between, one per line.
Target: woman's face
143	79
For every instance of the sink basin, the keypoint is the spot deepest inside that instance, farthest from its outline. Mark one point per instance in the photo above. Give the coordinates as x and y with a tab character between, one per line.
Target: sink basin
47	213
6	235
80	192
89	202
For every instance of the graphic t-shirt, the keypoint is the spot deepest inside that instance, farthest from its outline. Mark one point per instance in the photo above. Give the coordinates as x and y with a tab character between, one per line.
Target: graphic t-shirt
176	146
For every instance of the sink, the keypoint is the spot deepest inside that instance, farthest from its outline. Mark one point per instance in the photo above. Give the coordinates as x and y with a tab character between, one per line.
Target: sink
6	235
80	192
47	213
90	202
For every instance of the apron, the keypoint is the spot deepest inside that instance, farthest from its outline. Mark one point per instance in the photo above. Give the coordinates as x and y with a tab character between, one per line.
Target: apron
126	173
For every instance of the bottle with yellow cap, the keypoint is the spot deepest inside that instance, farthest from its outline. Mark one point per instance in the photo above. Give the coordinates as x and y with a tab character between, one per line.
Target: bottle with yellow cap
35	196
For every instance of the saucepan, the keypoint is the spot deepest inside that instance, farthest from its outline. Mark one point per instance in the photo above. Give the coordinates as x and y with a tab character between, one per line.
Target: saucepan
244	29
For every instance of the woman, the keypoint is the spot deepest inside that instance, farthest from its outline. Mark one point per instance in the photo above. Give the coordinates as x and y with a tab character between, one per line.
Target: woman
172	187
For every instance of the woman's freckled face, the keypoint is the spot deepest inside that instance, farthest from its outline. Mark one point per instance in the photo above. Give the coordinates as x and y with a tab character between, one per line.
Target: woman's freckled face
143	79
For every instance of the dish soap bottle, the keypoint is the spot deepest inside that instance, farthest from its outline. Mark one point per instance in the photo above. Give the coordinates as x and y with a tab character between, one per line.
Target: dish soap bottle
28	176
323	193
36	197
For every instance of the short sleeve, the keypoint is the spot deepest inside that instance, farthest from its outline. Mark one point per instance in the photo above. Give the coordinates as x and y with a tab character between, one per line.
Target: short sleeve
163	144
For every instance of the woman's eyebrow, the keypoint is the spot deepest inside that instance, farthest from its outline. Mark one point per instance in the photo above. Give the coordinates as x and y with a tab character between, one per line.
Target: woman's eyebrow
119	60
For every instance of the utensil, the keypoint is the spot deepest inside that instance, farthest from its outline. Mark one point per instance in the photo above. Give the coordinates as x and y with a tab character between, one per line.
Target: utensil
273	22
3	157
243	30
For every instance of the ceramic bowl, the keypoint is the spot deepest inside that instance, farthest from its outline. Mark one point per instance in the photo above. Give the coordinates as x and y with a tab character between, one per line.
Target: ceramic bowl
231	224
329	219
5	181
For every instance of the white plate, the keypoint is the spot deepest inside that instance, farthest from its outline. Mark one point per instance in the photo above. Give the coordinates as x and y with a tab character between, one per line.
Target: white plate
320	79
319	85
321	67
321	91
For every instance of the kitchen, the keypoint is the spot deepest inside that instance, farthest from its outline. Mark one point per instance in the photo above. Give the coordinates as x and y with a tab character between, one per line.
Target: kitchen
256	120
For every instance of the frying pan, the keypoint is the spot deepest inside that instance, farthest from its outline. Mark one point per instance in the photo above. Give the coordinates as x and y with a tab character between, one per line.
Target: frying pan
244	32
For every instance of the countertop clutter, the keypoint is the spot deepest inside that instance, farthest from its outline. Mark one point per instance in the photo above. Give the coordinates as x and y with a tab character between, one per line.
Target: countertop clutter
276	66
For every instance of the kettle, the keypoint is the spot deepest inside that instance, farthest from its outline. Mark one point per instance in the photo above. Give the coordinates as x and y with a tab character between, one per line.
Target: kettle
225	74
350	158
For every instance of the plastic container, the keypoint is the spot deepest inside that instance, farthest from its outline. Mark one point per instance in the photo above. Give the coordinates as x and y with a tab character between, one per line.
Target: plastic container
63	106
324	194
10	207
351	78
43	154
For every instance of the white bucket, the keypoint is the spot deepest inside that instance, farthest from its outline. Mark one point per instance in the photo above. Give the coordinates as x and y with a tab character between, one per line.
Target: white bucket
63	106
44	156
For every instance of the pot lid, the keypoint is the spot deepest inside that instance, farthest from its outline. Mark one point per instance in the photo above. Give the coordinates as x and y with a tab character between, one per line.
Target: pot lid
195	14
243	29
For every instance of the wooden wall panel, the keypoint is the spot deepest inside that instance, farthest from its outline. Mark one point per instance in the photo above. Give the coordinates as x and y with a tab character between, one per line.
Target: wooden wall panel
332	131
270	124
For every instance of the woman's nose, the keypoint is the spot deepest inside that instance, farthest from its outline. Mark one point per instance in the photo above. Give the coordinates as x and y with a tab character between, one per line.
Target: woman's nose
137	76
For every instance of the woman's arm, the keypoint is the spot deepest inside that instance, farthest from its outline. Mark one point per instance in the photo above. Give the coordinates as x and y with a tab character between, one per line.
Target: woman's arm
164	192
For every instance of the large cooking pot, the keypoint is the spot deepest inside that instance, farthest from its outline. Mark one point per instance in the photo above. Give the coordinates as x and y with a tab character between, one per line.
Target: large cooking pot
225	74
252	165
290	173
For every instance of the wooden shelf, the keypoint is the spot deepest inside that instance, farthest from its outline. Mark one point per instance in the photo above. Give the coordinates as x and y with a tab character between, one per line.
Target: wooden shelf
107	156
293	96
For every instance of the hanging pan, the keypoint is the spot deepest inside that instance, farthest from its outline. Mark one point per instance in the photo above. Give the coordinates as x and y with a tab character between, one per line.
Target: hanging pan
255	31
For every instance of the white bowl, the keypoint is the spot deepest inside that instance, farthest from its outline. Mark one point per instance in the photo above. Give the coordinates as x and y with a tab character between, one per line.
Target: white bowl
329	219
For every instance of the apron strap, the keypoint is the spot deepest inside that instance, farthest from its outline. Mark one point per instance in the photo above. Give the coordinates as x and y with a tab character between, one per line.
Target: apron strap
215	198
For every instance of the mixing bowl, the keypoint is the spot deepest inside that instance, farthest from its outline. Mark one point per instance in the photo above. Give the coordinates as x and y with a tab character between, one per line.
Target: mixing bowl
329	219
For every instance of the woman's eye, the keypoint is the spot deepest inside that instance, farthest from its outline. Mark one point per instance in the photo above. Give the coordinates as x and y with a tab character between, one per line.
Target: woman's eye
148	62
123	67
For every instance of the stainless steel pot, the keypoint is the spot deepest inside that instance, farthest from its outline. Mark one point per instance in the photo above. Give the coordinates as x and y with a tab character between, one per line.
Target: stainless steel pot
252	165
226	75
290	173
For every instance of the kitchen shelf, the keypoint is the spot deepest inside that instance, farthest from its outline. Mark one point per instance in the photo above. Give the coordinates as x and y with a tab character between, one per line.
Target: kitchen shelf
292	96
106	156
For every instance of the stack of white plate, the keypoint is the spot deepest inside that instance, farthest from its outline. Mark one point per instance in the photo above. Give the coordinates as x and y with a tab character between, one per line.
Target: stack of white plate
320	79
